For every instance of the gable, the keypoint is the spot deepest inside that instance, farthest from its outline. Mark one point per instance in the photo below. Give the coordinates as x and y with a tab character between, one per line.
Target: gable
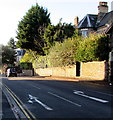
88	21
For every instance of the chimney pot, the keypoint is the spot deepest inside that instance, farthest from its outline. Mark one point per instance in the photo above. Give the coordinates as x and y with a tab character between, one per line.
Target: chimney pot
103	7
102	10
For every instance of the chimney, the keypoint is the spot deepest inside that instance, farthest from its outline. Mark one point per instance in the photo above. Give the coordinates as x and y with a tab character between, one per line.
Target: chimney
102	10
76	20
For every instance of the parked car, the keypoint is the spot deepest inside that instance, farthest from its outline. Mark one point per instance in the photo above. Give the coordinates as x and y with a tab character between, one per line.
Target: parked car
11	72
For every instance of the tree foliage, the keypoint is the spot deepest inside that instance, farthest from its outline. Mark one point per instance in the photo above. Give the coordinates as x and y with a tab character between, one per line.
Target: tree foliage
8	55
27	58
12	43
63	54
31	29
77	48
57	33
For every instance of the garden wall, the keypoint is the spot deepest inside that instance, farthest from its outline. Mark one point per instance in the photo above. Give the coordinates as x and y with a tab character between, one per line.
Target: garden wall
88	70
93	70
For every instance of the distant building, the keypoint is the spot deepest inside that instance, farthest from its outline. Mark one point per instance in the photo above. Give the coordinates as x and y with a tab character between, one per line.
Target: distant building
20	53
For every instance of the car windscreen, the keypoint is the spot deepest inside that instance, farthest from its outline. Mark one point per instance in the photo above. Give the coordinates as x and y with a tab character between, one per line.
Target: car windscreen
12	70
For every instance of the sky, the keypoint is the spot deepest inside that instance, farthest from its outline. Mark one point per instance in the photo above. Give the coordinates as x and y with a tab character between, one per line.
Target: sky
12	11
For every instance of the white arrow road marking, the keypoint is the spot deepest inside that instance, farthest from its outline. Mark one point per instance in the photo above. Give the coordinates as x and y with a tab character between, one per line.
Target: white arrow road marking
30	101
64	99
32	98
90	97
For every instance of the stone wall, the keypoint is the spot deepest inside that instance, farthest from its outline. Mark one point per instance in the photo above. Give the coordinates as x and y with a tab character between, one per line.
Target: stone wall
88	70
93	70
43	72
68	71
26	73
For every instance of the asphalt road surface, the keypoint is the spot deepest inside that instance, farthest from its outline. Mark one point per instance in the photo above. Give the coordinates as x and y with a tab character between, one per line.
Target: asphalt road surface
54	99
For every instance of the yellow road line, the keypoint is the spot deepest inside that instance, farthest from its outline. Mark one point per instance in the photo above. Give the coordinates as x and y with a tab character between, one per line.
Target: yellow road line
16	100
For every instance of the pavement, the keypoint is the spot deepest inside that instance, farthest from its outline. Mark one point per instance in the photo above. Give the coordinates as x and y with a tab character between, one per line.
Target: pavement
90	81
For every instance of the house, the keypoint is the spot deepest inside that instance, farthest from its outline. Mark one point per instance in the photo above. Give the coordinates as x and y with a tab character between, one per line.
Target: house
98	23
19	54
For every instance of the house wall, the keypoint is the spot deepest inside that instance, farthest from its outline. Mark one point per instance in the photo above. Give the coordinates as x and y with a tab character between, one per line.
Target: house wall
87	31
101	29
88	70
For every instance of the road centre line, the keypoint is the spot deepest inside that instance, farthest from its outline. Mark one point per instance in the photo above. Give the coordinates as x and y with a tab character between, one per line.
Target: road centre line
65	99
80	93
35	86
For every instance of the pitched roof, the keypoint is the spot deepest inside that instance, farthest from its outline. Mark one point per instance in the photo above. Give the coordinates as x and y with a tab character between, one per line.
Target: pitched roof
88	21
107	19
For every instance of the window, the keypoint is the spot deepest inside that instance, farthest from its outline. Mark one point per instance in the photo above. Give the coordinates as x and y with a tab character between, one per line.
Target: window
84	32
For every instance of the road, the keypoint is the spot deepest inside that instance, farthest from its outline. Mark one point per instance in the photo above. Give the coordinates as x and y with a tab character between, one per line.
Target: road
63	99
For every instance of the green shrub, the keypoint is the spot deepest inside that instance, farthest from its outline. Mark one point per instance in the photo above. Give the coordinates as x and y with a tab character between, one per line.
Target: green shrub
27	58
26	66
63	54
93	48
41	62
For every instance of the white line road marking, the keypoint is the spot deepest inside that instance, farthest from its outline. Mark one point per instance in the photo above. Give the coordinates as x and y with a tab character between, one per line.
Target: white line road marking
35	86
36	100
90	97
64	99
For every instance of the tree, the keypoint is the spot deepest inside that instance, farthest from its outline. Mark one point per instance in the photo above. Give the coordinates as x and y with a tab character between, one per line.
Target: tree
12	43
31	29
57	33
8	55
